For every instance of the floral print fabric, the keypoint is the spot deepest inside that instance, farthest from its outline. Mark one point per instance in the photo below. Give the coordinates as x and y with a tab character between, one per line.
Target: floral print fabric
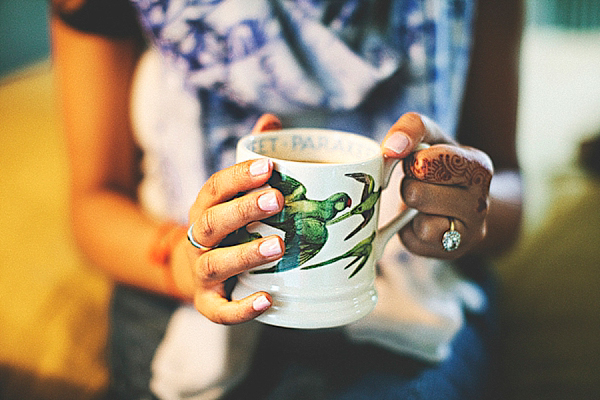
356	64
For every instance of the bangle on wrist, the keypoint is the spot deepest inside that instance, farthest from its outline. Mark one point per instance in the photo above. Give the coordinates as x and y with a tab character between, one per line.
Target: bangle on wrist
168	235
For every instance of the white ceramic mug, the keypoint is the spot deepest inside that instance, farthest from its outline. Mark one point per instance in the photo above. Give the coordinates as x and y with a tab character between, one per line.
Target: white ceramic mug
331	181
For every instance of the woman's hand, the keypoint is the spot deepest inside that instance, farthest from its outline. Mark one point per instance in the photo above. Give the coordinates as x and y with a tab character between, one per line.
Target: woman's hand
445	183
219	211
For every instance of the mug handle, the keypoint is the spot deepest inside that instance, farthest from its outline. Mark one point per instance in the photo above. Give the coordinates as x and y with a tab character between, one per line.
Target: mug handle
386	232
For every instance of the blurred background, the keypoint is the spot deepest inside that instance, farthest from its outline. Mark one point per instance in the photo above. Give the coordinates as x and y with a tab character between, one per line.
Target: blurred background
53	306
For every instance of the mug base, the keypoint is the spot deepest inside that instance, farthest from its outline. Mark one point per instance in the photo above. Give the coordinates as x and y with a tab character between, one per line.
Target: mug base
308	312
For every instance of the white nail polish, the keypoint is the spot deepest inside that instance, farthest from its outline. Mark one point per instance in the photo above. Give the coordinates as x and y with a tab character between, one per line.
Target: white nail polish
270	247
261	303
268	202
398	143
260	167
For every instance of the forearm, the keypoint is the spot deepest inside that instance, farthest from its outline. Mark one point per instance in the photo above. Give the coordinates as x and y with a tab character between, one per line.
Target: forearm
119	238
116	236
93	76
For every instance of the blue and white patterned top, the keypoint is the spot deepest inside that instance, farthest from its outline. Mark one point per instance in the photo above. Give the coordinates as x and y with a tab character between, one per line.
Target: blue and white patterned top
354	65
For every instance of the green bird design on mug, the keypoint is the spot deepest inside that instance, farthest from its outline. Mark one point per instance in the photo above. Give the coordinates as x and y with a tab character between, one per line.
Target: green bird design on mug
366	207
361	252
303	220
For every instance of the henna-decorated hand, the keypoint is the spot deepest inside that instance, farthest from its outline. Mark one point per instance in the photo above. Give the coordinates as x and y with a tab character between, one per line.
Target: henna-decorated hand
444	181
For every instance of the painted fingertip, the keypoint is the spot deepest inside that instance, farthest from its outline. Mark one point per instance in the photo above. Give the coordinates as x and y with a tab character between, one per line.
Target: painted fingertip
268	202
267	122
273	125
397	143
261	303
260	167
270	247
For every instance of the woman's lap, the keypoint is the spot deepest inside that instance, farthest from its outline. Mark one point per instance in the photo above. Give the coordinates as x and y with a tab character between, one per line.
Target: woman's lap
328	366
317	364
466	374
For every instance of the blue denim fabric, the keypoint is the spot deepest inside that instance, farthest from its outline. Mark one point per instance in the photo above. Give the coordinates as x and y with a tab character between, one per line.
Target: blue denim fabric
310	364
324	365
138	322
297	365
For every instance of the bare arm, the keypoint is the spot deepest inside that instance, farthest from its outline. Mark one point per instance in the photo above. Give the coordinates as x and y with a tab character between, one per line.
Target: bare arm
93	77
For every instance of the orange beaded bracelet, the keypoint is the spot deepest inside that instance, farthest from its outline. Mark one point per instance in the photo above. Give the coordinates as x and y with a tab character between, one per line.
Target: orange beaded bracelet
167	237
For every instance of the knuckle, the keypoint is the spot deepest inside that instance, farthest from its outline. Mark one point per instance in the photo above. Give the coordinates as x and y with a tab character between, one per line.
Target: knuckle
208	312
243	210
208	268
413	122
219	319
223	317
241	171
206	227
212	186
424	231
247	258
236	316
243	257
410	193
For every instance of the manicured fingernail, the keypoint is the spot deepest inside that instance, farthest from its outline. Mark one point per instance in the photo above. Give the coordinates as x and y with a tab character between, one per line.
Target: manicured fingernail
261	303
273	124
268	202
398	142
270	247
260	167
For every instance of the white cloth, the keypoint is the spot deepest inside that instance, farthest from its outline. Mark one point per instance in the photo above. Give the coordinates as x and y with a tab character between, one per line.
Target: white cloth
199	359
165	118
183	366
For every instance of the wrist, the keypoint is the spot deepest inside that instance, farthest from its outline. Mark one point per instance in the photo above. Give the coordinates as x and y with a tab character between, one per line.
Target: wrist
162	252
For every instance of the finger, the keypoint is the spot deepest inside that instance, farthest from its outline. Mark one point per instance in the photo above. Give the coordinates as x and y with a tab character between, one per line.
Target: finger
460	203
228	312
410	130
215	223
227	183
267	122
450	165
423	236
216	266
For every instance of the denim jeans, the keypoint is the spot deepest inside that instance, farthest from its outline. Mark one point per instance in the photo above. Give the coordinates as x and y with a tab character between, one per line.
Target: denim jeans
309	364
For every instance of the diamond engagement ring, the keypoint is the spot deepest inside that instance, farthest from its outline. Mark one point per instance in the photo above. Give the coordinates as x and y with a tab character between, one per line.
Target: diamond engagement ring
197	245
451	238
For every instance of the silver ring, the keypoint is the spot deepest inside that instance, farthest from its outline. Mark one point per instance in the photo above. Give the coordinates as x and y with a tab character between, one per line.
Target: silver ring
193	241
451	238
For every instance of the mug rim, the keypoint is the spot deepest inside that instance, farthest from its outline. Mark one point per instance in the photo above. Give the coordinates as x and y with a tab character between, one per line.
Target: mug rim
245	142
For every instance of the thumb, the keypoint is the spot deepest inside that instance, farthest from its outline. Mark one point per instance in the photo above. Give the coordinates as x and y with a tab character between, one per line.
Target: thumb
408	132
267	122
